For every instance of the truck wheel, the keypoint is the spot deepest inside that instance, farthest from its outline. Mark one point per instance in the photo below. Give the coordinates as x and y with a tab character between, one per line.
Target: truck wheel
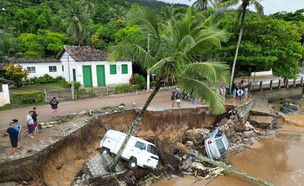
105	150
132	164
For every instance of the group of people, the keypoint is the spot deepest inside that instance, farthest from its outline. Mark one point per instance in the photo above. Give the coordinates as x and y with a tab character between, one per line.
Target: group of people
15	128
240	92
176	96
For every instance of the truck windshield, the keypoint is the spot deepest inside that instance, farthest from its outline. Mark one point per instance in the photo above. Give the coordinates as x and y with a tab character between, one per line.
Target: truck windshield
152	149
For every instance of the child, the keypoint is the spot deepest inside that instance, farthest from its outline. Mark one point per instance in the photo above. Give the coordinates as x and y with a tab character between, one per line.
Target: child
234	95
245	93
240	94
18	128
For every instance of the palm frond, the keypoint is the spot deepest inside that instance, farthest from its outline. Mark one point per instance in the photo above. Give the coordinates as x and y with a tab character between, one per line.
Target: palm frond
259	8
203	91
159	66
227	3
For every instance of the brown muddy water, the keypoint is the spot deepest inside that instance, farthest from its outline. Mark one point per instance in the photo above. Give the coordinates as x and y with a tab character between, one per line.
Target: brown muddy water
277	159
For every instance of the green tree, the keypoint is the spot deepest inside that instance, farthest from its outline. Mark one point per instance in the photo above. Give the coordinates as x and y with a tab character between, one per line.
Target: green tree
117	13
241	12
270	44
76	17
175	58
16	73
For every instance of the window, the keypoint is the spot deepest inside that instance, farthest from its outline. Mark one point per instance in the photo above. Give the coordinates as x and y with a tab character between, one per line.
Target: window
31	69
112	69
152	149
140	145
220	146
52	69
62	68
124	69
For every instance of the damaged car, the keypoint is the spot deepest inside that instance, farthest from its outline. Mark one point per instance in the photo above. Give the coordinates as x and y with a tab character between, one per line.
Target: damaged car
216	144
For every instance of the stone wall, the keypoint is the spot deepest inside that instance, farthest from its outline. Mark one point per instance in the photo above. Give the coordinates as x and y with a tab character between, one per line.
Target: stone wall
276	94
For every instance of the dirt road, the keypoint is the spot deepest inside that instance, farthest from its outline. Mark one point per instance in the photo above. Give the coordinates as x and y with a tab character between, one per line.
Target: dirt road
70	107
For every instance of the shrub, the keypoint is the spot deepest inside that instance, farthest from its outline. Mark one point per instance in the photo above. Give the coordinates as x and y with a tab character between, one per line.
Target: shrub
134	87
153	83
132	80
41	80
140	80
48	78
59	79
80	91
34	81
77	85
16	73
28	97
121	88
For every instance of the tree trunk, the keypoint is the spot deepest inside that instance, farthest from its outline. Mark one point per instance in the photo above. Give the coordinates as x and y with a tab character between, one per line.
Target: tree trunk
238	46
112	166
224	166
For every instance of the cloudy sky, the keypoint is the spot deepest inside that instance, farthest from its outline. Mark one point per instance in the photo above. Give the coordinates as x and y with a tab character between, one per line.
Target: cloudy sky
270	6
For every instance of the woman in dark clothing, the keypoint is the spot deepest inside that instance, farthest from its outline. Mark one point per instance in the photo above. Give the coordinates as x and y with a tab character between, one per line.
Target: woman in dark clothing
173	97
34	116
13	134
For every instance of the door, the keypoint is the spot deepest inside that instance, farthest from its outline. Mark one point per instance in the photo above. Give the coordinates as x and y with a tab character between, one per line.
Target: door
101	78
74	74
87	76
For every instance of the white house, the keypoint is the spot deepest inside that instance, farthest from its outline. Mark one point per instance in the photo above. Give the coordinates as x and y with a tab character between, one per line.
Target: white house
4	95
87	65
90	67
39	66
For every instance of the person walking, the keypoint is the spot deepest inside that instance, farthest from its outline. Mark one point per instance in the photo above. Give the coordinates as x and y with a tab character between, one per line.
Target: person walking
54	105
34	116
18	128
178	98
13	134
173	97
193	102
30	124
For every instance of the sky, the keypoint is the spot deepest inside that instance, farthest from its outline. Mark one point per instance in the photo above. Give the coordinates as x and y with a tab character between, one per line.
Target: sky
270	6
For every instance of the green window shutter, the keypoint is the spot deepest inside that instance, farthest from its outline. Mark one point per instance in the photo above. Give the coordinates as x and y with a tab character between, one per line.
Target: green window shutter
112	69
124	69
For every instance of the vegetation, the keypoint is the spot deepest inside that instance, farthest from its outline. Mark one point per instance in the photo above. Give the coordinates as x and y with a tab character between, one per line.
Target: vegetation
175	57
16	73
121	88
28	97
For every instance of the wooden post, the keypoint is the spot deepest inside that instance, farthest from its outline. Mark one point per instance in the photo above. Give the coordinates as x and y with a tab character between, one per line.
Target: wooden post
270	86
287	83
301	81
261	85
226	167
279	84
45	98
294	83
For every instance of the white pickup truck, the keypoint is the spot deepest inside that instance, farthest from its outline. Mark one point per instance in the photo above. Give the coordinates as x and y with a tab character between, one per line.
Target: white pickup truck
138	152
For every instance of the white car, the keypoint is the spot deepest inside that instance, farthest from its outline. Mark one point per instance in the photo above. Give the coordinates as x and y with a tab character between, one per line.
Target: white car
138	152
216	144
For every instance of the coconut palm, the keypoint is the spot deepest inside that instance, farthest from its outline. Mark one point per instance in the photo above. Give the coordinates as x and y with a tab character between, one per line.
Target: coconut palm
90	7
75	17
174	58
117	12
202	5
241	13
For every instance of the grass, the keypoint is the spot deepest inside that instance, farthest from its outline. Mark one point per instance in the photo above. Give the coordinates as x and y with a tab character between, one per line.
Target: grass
49	86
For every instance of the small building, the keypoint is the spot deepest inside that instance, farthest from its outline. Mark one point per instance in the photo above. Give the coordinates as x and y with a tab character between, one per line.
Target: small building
90	67
87	65
4	95
37	67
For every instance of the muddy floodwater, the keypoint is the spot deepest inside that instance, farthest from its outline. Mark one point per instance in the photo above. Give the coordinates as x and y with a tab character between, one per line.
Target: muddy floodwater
278	159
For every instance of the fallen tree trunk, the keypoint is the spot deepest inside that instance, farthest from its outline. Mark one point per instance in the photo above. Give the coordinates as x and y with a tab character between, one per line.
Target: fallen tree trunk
226	167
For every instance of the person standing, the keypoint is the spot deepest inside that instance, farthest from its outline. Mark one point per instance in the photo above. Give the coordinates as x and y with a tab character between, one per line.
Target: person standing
34	116
245	93
234	95
178	98
240	94
193	102
13	134
223	91
54	105
18	128
30	124
173	97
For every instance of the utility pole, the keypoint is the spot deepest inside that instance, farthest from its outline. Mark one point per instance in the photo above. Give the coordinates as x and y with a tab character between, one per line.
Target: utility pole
148	73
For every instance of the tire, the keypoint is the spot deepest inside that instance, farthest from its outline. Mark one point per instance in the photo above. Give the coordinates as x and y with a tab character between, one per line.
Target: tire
105	150
132	164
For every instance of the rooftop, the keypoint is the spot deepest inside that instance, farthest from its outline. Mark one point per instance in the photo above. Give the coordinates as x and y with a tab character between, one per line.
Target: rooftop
84	53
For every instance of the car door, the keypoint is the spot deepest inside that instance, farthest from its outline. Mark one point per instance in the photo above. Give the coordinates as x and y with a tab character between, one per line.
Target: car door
140	152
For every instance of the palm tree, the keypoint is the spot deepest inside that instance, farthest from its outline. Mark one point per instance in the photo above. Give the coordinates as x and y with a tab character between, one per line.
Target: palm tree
202	5
117	12
241	12
75	17
90	7
175	58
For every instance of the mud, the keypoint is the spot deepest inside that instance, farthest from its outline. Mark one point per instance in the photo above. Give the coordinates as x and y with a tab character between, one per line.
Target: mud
57	163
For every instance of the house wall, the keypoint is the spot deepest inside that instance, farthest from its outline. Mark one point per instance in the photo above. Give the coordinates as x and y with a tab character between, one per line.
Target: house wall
4	95
43	68
111	79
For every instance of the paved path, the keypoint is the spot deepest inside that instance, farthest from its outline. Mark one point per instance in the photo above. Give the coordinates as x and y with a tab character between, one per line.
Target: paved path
70	107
